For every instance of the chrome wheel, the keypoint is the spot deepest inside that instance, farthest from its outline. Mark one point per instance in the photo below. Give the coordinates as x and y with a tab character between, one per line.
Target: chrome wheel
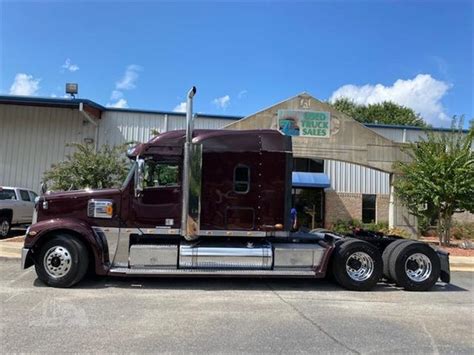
57	261
359	266
4	228
418	267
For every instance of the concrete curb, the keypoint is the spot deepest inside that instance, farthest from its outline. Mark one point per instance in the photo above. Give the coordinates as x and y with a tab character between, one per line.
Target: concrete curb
12	250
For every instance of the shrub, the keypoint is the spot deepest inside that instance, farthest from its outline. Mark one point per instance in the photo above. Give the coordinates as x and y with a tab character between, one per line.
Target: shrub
463	231
346	226
86	168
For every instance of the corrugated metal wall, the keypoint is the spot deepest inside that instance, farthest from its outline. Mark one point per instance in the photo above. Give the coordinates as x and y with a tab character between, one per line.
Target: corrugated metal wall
119	127
33	138
346	177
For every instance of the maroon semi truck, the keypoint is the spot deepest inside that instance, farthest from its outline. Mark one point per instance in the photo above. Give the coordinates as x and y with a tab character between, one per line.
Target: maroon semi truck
211	203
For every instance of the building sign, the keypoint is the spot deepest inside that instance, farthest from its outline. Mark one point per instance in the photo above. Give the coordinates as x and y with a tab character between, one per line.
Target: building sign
304	123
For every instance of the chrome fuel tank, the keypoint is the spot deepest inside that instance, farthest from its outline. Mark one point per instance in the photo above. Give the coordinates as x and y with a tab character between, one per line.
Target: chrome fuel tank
229	256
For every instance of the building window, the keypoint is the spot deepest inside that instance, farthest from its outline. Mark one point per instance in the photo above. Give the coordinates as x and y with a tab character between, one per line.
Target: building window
241	179
368	208
308	165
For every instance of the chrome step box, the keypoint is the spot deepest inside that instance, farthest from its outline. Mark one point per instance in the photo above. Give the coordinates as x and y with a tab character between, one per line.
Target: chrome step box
297	256
163	256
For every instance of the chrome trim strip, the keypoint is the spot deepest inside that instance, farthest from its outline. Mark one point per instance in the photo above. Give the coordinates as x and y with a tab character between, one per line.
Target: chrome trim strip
212	272
233	233
24	254
216	233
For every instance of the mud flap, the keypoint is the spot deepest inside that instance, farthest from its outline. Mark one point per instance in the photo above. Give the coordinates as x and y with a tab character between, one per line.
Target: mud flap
445	274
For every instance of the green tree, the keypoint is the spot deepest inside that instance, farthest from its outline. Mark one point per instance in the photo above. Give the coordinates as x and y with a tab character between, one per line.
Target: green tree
386	112
86	168
439	179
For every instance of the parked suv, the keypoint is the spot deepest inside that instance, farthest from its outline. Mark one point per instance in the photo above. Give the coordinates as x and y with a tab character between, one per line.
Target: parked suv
16	208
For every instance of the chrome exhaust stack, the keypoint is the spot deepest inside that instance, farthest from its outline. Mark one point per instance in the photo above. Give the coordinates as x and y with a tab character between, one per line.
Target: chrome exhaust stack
192	166
189	115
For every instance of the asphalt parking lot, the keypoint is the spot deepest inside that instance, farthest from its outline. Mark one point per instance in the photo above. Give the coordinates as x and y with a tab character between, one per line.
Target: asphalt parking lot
231	316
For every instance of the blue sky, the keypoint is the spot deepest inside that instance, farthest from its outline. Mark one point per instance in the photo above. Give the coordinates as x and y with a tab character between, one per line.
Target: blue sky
242	56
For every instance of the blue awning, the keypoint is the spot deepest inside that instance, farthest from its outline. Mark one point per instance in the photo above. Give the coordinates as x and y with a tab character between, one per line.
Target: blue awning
302	180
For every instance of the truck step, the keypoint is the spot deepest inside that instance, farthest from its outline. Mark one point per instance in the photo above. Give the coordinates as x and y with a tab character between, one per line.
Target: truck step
209	272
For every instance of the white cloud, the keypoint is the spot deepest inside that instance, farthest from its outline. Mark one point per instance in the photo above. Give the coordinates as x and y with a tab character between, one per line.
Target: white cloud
122	103
423	94
181	107
69	66
25	84
116	95
222	102
126	83
242	94
129	78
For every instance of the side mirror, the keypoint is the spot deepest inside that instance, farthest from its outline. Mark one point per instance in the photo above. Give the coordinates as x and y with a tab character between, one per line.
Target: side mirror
139	177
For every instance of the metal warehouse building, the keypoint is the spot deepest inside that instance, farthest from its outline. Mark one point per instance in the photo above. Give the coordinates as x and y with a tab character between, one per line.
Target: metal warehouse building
34	133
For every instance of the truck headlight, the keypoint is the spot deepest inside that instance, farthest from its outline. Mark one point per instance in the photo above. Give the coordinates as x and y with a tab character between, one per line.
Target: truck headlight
100	208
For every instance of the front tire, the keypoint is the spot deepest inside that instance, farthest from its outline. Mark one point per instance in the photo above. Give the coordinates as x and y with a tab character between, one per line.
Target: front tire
62	261
357	265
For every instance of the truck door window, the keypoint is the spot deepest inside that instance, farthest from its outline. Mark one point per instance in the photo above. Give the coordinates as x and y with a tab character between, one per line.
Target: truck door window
7	194
241	179
24	195
161	174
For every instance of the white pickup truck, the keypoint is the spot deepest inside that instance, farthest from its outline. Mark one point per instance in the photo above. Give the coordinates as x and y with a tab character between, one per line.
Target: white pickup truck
16	208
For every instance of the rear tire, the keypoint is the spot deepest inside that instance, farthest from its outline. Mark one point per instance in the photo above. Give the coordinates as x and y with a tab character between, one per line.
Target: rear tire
62	261
357	265
387	253
5	226
415	266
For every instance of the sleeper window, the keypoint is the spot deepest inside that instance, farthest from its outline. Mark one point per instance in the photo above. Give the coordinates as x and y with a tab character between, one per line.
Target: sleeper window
241	179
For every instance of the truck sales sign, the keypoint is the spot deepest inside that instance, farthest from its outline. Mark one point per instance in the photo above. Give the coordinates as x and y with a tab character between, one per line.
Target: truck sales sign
304	123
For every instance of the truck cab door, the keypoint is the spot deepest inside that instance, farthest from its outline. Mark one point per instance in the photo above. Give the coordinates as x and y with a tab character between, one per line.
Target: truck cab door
159	204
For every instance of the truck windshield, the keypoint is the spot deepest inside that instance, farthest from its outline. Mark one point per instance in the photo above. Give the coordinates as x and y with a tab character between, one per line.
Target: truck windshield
130	174
7	194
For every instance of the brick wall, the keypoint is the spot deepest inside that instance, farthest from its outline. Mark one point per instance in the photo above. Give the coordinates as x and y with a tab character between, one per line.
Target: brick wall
346	206
343	206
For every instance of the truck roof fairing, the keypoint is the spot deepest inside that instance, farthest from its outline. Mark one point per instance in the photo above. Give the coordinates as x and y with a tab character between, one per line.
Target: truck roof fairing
171	143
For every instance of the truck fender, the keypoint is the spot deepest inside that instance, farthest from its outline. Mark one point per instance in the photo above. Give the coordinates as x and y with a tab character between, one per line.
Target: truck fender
39	232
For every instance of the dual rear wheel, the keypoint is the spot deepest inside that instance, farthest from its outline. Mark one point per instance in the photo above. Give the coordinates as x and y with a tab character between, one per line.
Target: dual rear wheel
358	265
412	265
